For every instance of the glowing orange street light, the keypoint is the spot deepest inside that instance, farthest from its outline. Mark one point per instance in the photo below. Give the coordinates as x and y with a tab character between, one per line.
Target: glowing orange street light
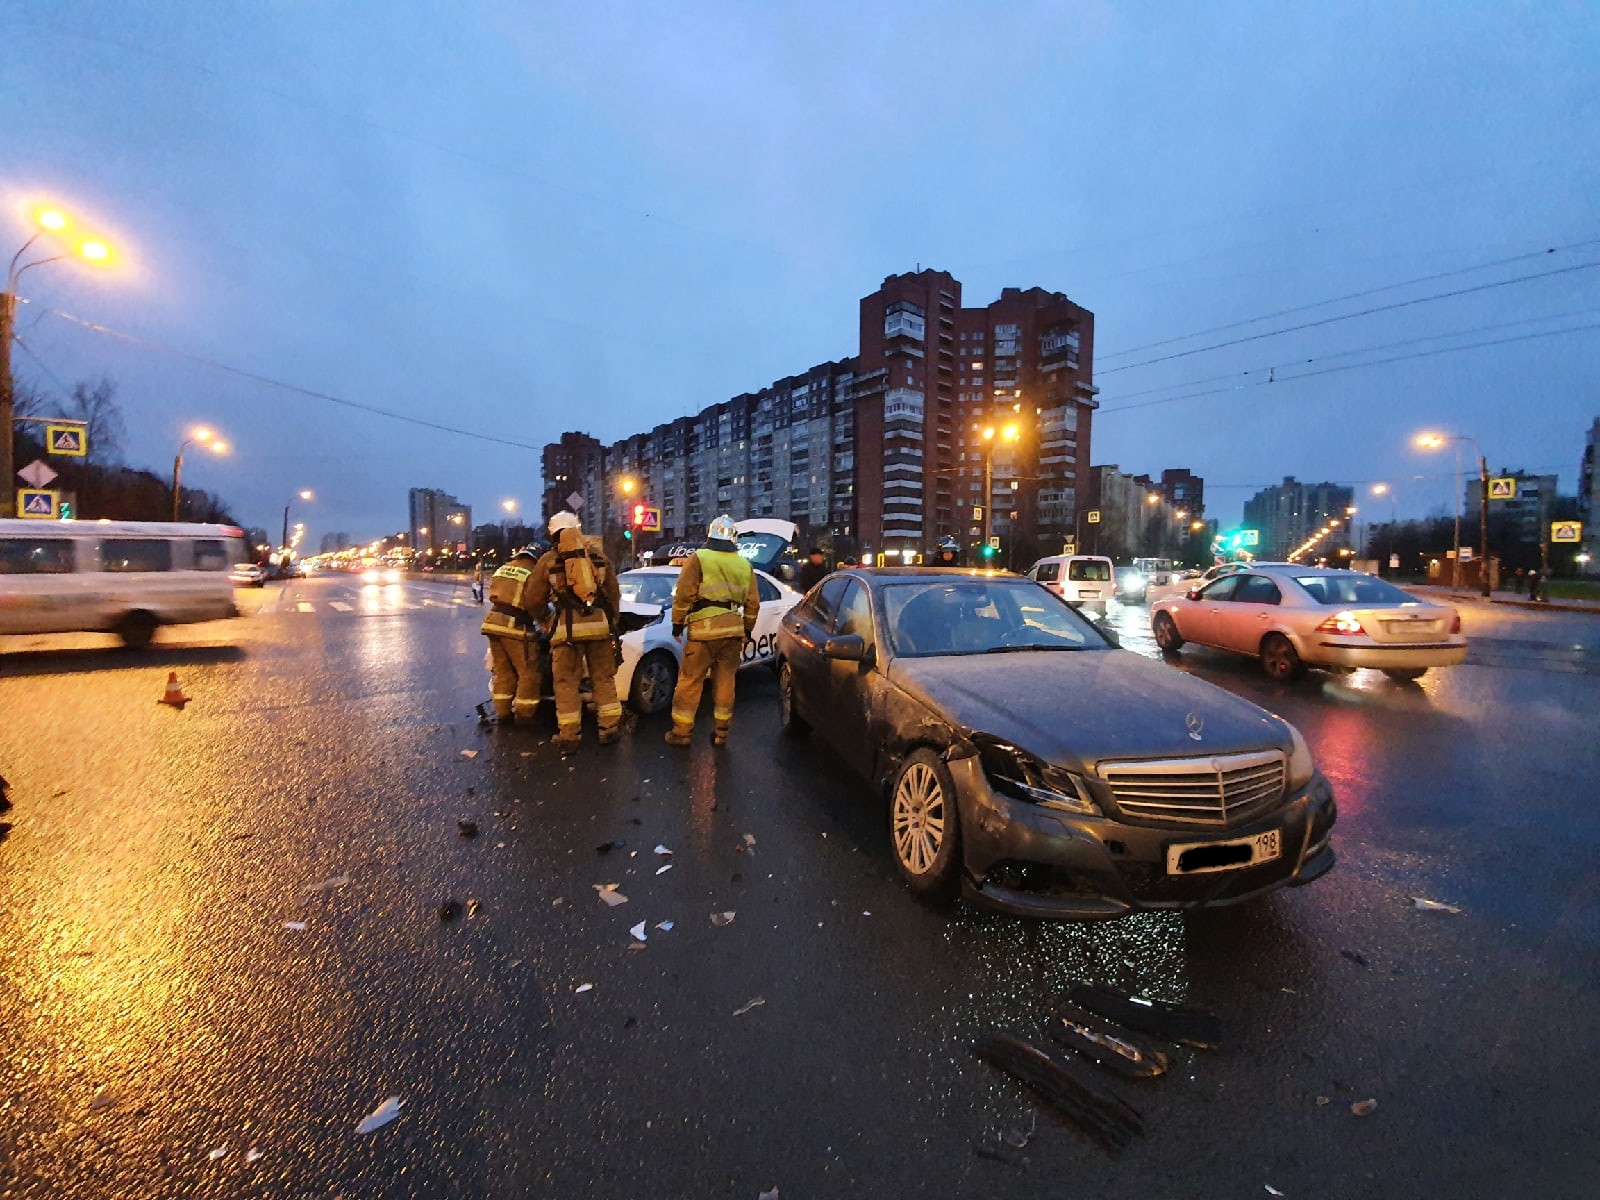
204	437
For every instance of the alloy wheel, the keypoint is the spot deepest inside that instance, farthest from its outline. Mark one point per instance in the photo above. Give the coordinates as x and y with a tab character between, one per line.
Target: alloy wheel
919	818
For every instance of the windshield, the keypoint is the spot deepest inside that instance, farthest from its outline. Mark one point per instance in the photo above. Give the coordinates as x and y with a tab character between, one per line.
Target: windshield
1353	589
647	587
982	616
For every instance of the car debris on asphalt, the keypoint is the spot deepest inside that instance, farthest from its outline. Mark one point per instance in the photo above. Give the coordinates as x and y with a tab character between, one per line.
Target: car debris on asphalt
1107	1119
583	987
327	885
297	926
1104	1044
722	918
608	893
1434	905
1363	1108
469	754
638	932
755	1002
665	926
1169	1022
662	850
663	868
467	829
381	1116
251	1155
219	1152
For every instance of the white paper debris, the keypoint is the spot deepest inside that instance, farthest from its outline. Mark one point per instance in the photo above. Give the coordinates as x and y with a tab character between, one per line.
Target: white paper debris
1271	1191
865	913
663	868
608	892
663	850
664	926
744	1008
638	932
583	987
749	839
251	1155
469	754
721	919
772	1195
297	926
219	1152
1433	905
380	1116
327	885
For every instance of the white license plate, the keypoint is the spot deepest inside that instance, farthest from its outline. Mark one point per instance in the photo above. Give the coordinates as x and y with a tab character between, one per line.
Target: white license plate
1200	858
1088	594
1410	626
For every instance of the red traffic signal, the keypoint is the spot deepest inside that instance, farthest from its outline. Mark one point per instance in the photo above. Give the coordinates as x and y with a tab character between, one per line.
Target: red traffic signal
638	515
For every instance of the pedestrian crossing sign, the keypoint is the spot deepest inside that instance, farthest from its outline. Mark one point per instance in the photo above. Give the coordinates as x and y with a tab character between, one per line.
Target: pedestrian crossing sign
1503	489
649	519
1092	516
71	440
40	504
1566	531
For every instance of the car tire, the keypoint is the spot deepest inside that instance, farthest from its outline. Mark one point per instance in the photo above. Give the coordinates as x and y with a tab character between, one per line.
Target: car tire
1167	635
789	718
1279	659
655	678
1405	674
925	827
136	630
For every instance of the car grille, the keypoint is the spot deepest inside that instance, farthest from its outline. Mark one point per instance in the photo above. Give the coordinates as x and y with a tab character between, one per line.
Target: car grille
1197	791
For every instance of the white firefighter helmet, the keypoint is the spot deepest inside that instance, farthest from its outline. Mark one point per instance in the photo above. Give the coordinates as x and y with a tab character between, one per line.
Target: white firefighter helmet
722	529
563	520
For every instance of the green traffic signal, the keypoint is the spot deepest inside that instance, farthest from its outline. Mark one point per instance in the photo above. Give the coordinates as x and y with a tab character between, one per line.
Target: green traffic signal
988	551
65	511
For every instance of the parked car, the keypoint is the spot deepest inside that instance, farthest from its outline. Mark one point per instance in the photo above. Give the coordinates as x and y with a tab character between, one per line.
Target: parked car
1079	579
1132	586
1292	617
122	577
249	575
1029	763
651	655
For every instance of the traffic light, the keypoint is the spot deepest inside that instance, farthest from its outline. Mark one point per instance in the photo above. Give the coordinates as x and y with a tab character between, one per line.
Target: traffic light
627	534
66	510
638	515
990	551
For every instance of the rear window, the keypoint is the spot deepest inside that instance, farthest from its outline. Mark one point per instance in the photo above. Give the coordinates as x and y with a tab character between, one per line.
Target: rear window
1346	591
124	555
35	556
1088	570
1047	572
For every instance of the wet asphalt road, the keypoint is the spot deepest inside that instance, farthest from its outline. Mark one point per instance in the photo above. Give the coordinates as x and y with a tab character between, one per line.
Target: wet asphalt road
156	1010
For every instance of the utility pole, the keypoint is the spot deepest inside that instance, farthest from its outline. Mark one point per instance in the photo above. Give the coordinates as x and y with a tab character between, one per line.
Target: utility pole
8	466
1483	525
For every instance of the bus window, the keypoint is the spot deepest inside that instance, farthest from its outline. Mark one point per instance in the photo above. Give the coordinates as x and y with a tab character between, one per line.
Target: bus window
35	556
210	554
136	554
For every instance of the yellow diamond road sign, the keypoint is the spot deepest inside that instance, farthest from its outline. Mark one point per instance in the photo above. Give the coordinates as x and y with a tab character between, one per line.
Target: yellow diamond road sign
1503	489
1566	531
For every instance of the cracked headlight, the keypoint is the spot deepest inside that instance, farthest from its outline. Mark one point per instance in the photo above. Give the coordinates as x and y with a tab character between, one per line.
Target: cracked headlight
1018	774
1301	768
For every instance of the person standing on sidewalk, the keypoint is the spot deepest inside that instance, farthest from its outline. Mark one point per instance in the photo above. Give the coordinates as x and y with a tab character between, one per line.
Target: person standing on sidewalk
1535	586
477	581
716	601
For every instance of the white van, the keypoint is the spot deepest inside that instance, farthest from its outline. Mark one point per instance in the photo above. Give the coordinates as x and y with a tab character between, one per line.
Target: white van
1082	580
122	577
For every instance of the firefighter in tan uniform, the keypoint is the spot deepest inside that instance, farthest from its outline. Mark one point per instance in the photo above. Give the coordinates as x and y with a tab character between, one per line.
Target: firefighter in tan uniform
512	626
717	601
575	576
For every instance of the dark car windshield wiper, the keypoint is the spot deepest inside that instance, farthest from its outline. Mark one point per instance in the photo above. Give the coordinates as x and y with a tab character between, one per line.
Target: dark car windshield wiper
1035	646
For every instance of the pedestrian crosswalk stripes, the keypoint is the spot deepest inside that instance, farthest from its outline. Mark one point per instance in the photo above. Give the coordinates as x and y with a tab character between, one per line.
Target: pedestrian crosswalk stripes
365	607
307	606
340	606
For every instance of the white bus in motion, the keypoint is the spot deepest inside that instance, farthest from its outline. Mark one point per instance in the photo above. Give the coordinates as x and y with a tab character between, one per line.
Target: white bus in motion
121	577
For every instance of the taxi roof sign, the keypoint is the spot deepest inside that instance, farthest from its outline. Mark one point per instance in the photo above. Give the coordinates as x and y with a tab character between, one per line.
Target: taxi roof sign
71	440
1504	488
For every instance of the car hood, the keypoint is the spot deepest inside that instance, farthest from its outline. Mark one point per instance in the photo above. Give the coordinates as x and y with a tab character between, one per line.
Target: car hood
1075	708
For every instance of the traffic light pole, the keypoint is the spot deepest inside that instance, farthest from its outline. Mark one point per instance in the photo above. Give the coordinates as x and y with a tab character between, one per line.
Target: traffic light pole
8	466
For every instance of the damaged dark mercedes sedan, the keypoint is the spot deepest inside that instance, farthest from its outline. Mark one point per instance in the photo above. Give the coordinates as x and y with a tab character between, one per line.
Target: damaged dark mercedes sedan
1034	766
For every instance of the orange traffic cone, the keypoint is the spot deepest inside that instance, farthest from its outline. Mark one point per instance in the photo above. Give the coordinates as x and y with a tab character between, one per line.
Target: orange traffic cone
174	694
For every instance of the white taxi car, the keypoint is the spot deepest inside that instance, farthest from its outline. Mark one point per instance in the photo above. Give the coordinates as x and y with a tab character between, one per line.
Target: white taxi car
651	655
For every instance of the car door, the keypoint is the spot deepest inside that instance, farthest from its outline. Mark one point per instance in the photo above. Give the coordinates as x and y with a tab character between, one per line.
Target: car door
761	645
1248	615
1199	619
811	623
849	682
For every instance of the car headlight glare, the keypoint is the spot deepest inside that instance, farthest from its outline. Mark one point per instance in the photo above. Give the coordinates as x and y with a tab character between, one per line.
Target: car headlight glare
1018	774
1301	768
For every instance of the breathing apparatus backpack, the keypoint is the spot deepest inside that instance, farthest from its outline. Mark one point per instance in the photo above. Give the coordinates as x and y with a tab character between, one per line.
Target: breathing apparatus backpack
577	568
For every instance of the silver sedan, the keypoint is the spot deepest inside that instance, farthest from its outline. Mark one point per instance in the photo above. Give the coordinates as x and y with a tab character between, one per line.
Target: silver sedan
1292	617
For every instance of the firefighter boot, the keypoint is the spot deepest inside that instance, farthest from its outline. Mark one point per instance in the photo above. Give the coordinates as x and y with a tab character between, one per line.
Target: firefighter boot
719	734
679	735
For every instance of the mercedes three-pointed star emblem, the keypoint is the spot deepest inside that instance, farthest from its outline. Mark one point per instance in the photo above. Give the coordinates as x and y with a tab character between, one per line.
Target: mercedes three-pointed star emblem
1196	723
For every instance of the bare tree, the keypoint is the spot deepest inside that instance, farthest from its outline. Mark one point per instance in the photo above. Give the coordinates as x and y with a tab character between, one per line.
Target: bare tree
26	399
96	406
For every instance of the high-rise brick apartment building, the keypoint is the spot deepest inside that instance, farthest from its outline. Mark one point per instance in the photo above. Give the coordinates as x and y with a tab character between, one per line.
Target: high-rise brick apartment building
882	453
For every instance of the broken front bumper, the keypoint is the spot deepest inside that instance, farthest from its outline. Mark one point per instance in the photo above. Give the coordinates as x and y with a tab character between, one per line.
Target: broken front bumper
1031	861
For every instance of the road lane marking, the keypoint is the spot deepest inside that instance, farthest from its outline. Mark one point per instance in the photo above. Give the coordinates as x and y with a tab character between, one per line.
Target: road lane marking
306	606
339	606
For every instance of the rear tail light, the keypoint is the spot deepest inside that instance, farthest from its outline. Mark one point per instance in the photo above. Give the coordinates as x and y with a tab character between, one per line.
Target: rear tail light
1341	622
1455	621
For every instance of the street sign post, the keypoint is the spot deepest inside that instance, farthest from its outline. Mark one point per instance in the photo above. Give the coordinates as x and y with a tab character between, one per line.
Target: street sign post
647	520
1069	548
1251	537
1466	554
1504	488
39	504
1566	531
71	440
36	475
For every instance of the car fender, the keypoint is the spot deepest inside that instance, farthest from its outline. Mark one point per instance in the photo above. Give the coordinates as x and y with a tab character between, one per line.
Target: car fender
902	724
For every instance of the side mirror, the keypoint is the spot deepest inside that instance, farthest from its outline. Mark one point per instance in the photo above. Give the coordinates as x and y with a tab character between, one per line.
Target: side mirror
1192	594
848	647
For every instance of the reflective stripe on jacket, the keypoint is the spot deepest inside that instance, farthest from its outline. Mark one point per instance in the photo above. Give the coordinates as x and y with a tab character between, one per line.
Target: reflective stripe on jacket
509	615
725	584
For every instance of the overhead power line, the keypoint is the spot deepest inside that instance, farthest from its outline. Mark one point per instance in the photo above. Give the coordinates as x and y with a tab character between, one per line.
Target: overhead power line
1365	312
1239	387
269	381
1387	287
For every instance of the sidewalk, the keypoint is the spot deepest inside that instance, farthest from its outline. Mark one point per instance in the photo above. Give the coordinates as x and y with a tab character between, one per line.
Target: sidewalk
1509	599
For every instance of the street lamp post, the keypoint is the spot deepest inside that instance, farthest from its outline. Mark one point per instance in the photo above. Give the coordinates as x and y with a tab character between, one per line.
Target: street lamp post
1009	433
207	439
305	494
52	222
1434	441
